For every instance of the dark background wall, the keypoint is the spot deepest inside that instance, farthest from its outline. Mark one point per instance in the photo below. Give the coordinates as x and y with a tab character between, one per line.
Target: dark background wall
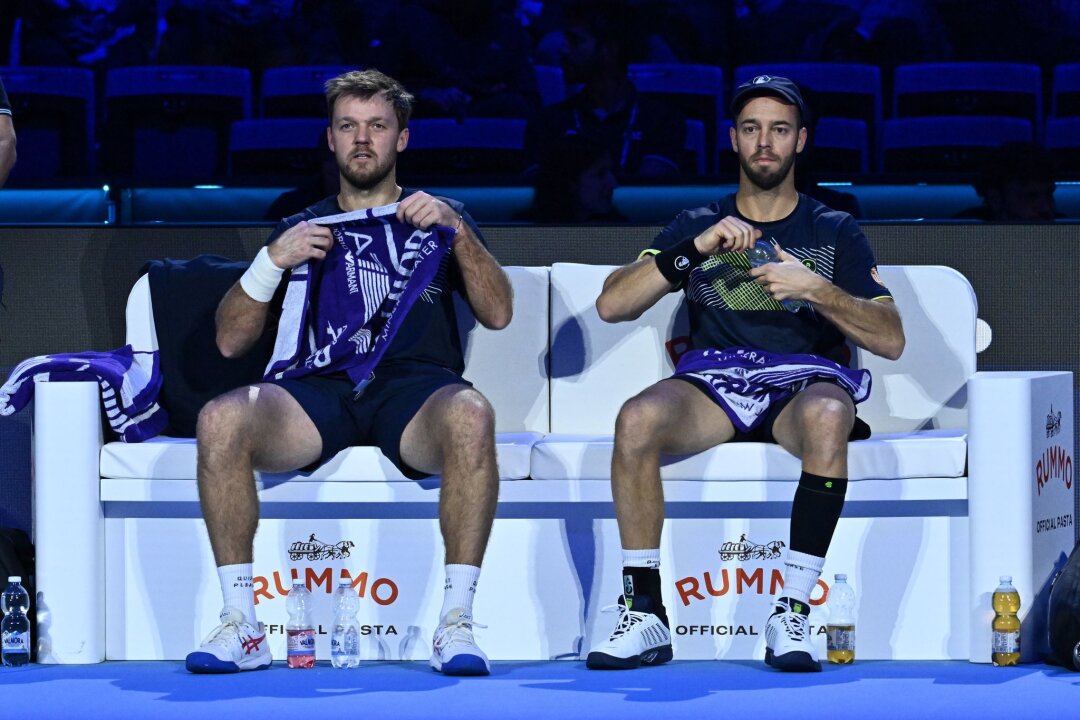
65	289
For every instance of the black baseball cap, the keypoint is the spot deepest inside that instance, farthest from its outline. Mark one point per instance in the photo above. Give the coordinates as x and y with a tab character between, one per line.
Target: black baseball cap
772	85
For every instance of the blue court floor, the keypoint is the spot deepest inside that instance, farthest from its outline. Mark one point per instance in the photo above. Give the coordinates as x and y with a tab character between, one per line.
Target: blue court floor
388	691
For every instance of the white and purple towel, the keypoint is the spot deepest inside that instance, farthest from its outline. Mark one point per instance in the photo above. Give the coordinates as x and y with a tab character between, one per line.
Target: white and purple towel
341	312
745	381
129	380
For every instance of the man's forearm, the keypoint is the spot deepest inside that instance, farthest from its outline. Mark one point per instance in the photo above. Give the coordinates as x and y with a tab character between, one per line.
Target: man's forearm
486	285
870	324
240	322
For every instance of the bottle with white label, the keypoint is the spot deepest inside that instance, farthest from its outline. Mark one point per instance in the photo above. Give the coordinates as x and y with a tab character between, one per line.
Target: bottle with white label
300	630
1005	638
15	627
345	639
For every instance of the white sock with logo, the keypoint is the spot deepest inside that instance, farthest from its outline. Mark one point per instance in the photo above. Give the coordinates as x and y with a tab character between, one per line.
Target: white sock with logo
238	588
460	589
641	558
801	573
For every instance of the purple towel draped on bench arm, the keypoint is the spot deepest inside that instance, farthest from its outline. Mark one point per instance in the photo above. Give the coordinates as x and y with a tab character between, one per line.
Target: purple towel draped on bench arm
340	313
129	380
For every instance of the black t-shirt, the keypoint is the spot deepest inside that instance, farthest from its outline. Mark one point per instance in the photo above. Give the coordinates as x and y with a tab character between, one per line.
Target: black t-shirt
429	333
5	105
728	309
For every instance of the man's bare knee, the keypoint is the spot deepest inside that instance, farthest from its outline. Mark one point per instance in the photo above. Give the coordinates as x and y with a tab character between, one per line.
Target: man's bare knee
637	425
468	421
224	422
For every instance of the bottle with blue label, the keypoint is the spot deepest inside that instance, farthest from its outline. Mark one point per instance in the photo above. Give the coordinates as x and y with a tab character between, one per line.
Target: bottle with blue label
762	253
345	640
300	630
15	627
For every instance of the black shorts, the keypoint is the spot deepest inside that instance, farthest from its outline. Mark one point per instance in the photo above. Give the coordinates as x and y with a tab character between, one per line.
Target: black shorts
378	417
763	431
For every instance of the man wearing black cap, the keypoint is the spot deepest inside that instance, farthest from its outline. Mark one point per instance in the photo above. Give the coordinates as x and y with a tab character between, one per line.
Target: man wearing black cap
768	364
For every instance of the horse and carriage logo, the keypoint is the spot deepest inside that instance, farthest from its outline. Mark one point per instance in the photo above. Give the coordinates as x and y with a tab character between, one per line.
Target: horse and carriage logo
748	550
314	549
1053	422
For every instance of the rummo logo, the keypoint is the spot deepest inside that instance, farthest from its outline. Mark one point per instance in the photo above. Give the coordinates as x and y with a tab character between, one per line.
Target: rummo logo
314	549
1055	464
383	591
741	580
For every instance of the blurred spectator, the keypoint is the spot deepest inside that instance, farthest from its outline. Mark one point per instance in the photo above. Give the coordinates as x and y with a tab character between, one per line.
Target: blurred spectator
796	31
1016	184
255	34
326	183
7	137
463	59
88	33
575	183
1029	31
644	135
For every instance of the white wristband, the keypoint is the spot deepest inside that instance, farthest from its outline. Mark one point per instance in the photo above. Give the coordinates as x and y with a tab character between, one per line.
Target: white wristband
260	281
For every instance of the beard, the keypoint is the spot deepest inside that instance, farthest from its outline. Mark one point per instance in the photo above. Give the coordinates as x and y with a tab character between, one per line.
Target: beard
764	180
366	179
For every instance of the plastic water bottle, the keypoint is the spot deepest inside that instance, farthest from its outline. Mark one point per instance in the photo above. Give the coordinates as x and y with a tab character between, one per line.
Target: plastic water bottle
15	627
1005	641
840	631
300	648
345	640
764	252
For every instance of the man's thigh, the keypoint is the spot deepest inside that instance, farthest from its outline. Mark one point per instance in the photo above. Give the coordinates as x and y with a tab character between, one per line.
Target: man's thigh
684	417
420	444
285	438
793	427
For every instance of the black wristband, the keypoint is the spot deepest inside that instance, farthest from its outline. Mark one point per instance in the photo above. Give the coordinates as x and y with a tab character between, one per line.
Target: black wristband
677	261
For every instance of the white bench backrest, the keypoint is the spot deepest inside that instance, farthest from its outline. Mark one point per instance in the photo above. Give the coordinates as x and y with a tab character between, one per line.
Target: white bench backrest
596	366
508	366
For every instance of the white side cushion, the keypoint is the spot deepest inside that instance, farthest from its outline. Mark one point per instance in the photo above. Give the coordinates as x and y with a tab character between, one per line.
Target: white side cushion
166	458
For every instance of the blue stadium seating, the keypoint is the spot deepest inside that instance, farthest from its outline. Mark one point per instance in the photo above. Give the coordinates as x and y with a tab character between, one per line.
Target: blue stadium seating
297	91
54	111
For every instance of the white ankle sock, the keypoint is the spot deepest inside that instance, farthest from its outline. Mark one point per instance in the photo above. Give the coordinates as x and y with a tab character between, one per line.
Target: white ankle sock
238	588
641	558
801	573
460	589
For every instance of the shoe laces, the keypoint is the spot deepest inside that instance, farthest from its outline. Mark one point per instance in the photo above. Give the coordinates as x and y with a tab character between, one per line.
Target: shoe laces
458	632
226	635
795	624
628	619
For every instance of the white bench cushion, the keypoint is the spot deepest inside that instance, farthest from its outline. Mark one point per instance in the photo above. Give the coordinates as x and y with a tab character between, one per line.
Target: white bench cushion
165	458
895	456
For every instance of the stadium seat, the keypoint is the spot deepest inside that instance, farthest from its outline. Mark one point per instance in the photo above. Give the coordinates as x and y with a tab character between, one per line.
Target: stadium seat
1063	139
53	109
696	90
841	146
297	91
971	88
1066	91
277	147
172	122
444	148
946	144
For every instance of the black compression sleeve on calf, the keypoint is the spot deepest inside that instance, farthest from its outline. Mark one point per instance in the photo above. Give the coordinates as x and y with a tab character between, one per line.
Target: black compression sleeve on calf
815	513
677	261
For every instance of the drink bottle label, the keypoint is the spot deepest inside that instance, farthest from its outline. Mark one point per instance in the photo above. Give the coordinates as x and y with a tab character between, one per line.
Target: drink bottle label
1005	642
301	642
14	641
840	638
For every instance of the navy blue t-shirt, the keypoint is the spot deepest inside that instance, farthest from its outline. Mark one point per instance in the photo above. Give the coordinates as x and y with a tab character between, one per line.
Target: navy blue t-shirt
429	333
5	106
729	309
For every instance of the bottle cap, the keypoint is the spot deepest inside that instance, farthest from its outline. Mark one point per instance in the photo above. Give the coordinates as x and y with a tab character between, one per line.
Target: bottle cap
1005	579
14	578
841	577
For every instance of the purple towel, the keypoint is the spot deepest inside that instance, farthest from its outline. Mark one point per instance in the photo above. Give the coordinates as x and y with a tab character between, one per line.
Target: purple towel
745	381
129	381
341	312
